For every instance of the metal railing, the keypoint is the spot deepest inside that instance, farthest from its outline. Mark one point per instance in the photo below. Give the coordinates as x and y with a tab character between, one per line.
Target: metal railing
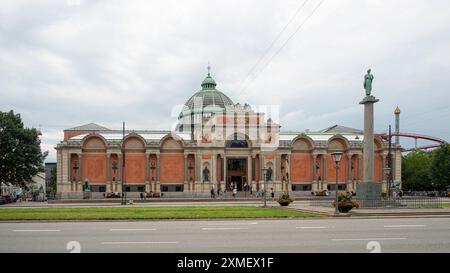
392	203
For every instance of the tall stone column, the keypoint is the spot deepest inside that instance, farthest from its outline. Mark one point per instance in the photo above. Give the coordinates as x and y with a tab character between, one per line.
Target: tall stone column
369	189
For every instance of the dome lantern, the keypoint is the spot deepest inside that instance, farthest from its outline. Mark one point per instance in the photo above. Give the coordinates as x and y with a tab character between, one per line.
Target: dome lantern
207	100
209	83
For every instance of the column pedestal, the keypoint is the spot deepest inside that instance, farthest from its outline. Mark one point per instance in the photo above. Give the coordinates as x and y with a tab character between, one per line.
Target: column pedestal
368	190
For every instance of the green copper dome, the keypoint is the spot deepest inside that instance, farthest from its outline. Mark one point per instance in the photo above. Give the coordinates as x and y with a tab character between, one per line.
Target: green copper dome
207	100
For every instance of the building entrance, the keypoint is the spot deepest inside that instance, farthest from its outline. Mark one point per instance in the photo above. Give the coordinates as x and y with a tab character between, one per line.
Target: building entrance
236	174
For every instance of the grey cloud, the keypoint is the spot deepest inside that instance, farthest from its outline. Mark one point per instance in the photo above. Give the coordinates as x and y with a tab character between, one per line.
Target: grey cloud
111	61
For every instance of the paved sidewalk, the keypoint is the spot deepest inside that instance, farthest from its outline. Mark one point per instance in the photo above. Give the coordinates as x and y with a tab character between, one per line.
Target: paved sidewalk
329	211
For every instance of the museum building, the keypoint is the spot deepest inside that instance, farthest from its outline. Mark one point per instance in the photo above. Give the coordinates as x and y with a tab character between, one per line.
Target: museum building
217	144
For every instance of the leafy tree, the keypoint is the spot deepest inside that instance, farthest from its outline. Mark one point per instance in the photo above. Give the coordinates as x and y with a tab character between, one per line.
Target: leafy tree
20	151
440	167
416	167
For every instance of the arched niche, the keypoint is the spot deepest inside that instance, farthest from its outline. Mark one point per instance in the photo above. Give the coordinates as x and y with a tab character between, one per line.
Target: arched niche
338	143
302	143
93	142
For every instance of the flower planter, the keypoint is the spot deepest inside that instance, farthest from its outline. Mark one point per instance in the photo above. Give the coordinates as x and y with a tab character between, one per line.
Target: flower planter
284	203
345	208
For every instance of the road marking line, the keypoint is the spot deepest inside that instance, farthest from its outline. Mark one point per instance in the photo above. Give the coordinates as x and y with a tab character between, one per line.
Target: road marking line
231	224
311	227
369	239
135	243
36	230
400	226
132	229
223	228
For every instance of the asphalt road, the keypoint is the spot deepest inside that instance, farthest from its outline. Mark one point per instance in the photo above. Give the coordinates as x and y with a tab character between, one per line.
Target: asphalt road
317	235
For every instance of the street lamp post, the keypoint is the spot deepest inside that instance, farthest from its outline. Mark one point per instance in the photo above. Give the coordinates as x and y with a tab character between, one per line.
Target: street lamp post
337	157
387	172
265	186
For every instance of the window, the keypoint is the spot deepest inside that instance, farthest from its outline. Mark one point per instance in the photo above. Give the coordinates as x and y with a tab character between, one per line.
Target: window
304	187
172	188
332	187
97	188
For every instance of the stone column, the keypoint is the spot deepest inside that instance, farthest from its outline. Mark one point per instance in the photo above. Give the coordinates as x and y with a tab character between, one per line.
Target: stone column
147	172
261	172
213	170
186	179
288	171
277	176
80	174
58	171
225	166
108	172
249	170
359	168
369	189
349	174
324	172
158	174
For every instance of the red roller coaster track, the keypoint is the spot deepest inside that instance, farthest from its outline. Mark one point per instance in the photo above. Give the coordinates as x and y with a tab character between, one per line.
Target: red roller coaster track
385	136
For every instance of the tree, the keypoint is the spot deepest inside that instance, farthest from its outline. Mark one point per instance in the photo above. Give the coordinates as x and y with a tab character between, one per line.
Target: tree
416	168
440	167
20	151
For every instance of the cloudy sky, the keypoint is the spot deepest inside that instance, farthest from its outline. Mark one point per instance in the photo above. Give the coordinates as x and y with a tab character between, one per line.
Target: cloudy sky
65	63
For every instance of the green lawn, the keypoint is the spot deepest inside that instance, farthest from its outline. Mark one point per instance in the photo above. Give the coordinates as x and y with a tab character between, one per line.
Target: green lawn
105	213
446	205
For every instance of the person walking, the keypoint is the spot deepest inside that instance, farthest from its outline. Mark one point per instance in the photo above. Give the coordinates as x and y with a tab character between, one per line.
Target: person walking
272	194
251	190
212	193
234	193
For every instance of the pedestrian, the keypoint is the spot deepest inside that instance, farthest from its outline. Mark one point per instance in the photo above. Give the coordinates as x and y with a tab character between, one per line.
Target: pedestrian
273	194
218	192
212	193
234	193
142	196
225	193
251	190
